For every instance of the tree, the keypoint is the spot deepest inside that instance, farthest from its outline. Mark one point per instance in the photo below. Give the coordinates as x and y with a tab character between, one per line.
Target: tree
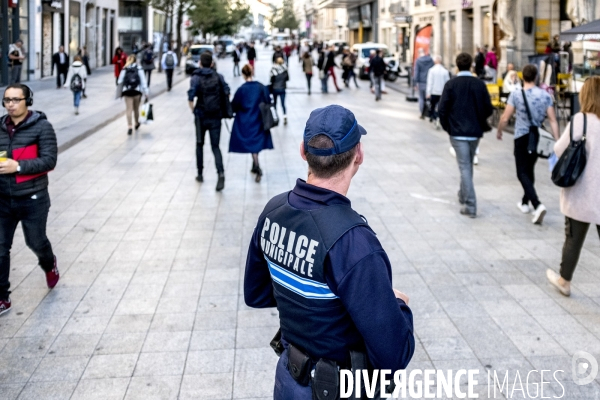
218	17
167	7
285	17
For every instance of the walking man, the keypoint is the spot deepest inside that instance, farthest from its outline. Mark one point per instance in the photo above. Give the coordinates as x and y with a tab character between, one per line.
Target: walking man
30	153
251	54
169	61
424	62
463	110
16	55
378	69
209	88
236	61
319	288
330	66
148	57
437	77
532	105
61	61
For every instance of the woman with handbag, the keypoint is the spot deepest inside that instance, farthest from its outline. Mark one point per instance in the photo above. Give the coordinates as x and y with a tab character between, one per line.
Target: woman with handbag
132	85
580	202
248	134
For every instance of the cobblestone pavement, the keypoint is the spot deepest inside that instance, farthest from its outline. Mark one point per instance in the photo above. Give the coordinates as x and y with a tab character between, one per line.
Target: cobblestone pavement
150	302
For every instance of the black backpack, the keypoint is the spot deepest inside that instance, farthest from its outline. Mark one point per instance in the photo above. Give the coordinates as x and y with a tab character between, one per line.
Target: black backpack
76	83
149	57
209	95
131	80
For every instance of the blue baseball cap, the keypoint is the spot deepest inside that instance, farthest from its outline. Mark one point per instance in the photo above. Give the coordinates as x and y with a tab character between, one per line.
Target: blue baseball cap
338	124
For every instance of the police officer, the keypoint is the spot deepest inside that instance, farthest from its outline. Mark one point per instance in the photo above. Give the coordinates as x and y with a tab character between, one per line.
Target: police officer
318	261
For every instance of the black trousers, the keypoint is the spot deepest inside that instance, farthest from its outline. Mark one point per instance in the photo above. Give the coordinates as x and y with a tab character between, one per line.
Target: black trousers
525	170
575	232
169	73
148	73
33	215
433	101
61	72
213	126
308	79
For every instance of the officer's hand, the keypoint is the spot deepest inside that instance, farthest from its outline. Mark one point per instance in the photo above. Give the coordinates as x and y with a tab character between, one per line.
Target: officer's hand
8	167
401	296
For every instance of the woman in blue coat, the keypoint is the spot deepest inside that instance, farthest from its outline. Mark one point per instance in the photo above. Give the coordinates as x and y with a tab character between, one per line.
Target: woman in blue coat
247	134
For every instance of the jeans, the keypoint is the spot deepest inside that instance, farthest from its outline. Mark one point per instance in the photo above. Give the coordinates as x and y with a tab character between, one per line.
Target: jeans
324	83
465	151
132	106
422	97
286	388
214	131
525	170
15	74
33	215
377	82
148	73
236	69
308	79
434	99
352	75
169	73
279	93
77	98
575	232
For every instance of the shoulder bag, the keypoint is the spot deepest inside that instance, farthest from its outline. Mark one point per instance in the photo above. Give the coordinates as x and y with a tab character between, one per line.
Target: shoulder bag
268	112
572	162
540	140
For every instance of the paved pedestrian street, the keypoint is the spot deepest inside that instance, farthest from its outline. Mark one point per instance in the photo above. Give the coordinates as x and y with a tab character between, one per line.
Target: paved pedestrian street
150	302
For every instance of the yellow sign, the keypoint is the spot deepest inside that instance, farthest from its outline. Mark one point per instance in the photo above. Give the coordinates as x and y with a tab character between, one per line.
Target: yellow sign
542	35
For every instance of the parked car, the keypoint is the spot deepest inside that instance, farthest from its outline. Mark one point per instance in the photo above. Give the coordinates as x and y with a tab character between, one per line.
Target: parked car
193	60
228	45
362	62
338	45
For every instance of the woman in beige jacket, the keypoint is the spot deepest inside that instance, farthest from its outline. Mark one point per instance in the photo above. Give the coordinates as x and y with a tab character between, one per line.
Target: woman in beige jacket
581	202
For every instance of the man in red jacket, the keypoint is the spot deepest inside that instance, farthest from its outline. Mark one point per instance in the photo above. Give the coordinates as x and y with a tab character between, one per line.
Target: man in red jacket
28	143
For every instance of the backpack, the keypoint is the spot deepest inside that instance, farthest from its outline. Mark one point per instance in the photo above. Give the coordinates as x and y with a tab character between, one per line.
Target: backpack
209	98
76	83
149	57
131	80
170	60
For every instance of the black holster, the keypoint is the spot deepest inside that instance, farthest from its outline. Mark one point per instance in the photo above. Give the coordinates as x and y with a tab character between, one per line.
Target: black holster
326	382
299	365
276	344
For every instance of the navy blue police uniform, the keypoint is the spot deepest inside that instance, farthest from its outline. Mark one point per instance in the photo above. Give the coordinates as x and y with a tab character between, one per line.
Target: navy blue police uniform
318	261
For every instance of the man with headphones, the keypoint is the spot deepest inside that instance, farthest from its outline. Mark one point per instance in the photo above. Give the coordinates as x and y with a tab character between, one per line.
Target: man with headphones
28	151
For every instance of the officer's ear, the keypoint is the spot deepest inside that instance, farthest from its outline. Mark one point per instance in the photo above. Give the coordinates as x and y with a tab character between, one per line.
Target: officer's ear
360	154
302	153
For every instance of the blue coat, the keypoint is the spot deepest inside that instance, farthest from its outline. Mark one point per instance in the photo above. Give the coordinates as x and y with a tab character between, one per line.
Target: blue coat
247	133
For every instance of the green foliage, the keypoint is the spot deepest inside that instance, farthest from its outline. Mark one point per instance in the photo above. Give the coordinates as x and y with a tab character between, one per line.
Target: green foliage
219	17
285	17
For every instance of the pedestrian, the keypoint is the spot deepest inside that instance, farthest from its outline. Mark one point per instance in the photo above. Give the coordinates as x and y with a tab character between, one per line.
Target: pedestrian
304	48
422	65
148	58
132	84
463	110
437	76
321	65
31	152
480	63
307	67
540	105
76	79
60	60
346	65
16	56
278	53
377	67
236	61
169	61
330	66
119	60
509	67
248	134
85	59
511	83
251	55
579	203
491	65
279	76
320	289
210	89
287	51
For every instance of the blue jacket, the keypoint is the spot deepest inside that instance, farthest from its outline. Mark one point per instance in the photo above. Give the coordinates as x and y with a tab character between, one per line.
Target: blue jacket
247	133
421	68
195	82
358	271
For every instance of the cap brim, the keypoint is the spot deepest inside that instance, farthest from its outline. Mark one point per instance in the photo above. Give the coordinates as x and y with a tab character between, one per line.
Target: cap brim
362	130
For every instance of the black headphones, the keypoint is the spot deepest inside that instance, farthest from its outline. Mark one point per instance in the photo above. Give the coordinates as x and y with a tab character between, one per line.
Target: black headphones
27	92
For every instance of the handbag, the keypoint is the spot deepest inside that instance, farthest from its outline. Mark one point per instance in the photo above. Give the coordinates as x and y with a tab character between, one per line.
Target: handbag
571	164
269	116
540	141
321	74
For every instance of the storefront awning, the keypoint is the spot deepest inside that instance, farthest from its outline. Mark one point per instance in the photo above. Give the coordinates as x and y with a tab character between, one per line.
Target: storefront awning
589	31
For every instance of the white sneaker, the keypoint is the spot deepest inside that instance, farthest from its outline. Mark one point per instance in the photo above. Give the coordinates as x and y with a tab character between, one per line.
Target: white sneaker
553	278
523	207
475	160
538	214
453	152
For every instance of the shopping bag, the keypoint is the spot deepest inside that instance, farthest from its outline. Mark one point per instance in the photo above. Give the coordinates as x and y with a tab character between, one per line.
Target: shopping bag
146	116
150	114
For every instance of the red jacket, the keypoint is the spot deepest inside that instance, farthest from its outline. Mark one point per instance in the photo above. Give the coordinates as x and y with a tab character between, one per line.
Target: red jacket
119	62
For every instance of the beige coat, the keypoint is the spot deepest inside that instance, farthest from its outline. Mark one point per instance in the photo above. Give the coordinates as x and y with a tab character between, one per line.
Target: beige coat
581	202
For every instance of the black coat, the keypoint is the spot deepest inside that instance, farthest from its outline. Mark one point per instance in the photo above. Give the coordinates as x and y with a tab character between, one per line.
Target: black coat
36	130
236	56
251	53
465	106
60	66
377	66
330	61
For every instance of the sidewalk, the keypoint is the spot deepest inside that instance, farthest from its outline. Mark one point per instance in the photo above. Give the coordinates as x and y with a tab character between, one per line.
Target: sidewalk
99	109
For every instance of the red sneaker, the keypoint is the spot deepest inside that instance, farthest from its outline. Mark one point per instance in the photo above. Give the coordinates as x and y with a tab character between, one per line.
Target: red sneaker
5	306
53	276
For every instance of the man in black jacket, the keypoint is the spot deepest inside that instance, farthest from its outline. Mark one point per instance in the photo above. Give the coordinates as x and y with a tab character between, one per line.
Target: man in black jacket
61	61
31	152
209	88
377	66
330	66
463	109
251	54
236	61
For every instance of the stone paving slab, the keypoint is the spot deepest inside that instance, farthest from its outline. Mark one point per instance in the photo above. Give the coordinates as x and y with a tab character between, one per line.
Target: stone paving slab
150	302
